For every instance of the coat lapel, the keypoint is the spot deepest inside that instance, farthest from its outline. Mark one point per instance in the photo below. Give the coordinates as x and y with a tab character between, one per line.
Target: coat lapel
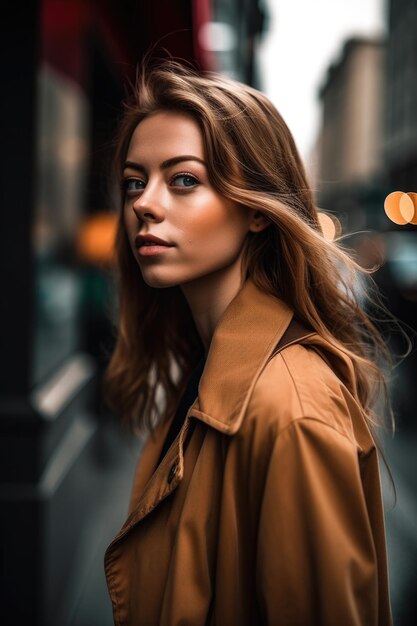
162	483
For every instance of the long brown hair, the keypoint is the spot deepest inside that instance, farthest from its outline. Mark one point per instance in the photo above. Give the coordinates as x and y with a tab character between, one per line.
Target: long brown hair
252	159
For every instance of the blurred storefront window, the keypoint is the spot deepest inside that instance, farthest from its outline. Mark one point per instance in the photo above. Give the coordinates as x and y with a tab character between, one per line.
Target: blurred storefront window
61	191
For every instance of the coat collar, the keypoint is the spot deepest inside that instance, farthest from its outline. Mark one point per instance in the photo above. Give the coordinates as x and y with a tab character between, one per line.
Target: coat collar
243	341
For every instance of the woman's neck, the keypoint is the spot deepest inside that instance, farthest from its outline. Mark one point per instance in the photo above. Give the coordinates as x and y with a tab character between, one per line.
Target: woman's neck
208	297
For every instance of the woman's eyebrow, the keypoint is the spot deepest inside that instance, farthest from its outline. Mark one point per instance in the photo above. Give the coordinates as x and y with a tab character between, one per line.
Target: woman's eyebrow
165	164
179	159
134	166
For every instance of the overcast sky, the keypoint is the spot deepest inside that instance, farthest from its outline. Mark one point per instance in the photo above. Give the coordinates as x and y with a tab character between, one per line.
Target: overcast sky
304	37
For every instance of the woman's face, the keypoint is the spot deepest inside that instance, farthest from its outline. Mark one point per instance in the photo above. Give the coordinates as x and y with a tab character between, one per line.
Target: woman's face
168	196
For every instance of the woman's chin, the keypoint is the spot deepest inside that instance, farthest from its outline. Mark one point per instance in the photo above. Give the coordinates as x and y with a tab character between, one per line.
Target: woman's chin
159	281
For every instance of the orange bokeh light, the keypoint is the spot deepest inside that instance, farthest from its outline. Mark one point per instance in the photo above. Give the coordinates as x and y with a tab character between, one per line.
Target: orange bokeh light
401	208
413	197
95	240
330	225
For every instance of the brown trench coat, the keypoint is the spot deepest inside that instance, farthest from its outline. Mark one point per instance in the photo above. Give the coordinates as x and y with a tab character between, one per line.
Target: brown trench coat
272	515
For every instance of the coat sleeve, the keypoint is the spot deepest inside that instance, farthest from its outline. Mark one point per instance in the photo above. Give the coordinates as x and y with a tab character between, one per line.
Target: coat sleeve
316	557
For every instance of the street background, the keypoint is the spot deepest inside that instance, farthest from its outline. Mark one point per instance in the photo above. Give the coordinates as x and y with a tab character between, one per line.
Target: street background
344	77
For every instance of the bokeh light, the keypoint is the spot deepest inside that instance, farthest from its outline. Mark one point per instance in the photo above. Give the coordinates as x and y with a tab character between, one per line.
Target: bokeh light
330	225
401	208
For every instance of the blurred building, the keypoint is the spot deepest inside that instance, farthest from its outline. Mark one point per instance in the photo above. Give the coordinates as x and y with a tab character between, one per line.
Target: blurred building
232	37
64	471
349	149
366	149
400	140
398	279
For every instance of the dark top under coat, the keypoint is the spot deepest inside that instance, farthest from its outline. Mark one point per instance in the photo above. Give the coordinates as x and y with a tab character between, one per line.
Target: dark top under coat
187	399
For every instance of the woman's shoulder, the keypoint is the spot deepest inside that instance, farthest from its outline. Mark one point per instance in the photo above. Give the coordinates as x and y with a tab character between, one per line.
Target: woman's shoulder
303	382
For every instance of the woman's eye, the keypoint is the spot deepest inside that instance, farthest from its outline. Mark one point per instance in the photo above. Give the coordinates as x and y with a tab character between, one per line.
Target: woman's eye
133	184
184	180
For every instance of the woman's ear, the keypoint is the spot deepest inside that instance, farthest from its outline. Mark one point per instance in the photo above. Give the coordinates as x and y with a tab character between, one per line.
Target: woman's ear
258	222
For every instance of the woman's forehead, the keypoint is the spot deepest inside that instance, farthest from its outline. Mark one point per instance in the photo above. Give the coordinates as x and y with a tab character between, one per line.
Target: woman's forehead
166	134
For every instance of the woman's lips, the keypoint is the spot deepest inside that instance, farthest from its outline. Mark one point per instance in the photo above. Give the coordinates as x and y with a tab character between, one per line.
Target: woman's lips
152	250
150	245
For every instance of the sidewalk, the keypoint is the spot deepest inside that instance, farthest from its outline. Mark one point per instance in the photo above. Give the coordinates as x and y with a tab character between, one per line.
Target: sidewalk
94	606
401	525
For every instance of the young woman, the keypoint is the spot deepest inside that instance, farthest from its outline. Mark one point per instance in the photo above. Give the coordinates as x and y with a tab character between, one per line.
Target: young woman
242	350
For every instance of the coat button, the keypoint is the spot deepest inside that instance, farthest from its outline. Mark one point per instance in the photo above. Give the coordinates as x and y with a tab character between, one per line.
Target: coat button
172	473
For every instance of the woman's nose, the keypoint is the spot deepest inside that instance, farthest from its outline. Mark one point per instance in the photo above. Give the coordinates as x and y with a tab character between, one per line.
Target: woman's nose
148	206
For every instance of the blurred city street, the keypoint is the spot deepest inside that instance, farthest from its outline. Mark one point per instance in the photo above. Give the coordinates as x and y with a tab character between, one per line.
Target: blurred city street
401	519
91	606
344	78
